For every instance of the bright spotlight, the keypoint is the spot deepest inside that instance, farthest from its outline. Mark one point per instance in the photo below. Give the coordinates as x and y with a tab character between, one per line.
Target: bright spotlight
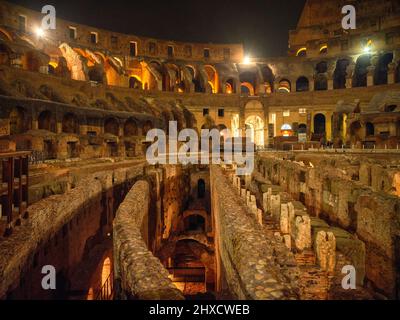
246	60
367	49
39	32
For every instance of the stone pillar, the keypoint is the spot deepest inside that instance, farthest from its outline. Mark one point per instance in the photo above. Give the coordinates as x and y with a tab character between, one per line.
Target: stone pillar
303	232
349	83
311	85
276	206
59	127
391	73
330	84
284	219
325	250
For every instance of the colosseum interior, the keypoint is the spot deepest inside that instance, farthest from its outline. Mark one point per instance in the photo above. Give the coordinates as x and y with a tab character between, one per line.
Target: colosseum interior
78	194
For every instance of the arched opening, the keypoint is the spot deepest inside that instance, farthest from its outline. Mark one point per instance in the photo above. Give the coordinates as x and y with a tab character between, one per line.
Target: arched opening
302	128
70	124
248	79
212	78
369	129
17	121
319	124
302	84
96	74
323	49
105	271
268	78
284	86
340	74
46	121
148	125
201	189
361	71
130	128
111	126
247	89
230	86
287	130
302	52
256	125
390	108
381	70
135	83
195	223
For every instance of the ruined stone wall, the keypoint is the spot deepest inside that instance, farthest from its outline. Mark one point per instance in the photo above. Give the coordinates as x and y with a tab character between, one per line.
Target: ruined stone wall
61	231
245	257
333	188
138	273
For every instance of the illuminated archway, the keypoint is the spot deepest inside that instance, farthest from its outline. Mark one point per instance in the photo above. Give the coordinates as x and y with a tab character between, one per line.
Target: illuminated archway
135	82
256	125
247	88
284	86
212	76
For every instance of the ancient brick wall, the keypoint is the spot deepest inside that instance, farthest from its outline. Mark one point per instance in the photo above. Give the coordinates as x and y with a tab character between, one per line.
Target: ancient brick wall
61	231
245	257
338	189
138	273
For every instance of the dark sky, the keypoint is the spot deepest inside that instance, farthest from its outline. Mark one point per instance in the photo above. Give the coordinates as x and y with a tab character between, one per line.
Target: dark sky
262	25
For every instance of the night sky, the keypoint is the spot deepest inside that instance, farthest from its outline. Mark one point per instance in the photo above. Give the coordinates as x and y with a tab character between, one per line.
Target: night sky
262	25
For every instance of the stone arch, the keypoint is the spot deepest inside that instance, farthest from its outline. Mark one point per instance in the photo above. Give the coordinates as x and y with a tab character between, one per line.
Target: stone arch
70	123
269	78
248	79
256	124
302	128
135	82
284	86
111	126
213	78
247	89
46	121
230	86
361	71
5	35
319	124
302	84
130	128
369	129
340	74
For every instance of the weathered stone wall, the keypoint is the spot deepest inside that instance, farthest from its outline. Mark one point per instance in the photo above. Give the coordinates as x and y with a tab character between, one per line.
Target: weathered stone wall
338	189
245	257
138	273
60	232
